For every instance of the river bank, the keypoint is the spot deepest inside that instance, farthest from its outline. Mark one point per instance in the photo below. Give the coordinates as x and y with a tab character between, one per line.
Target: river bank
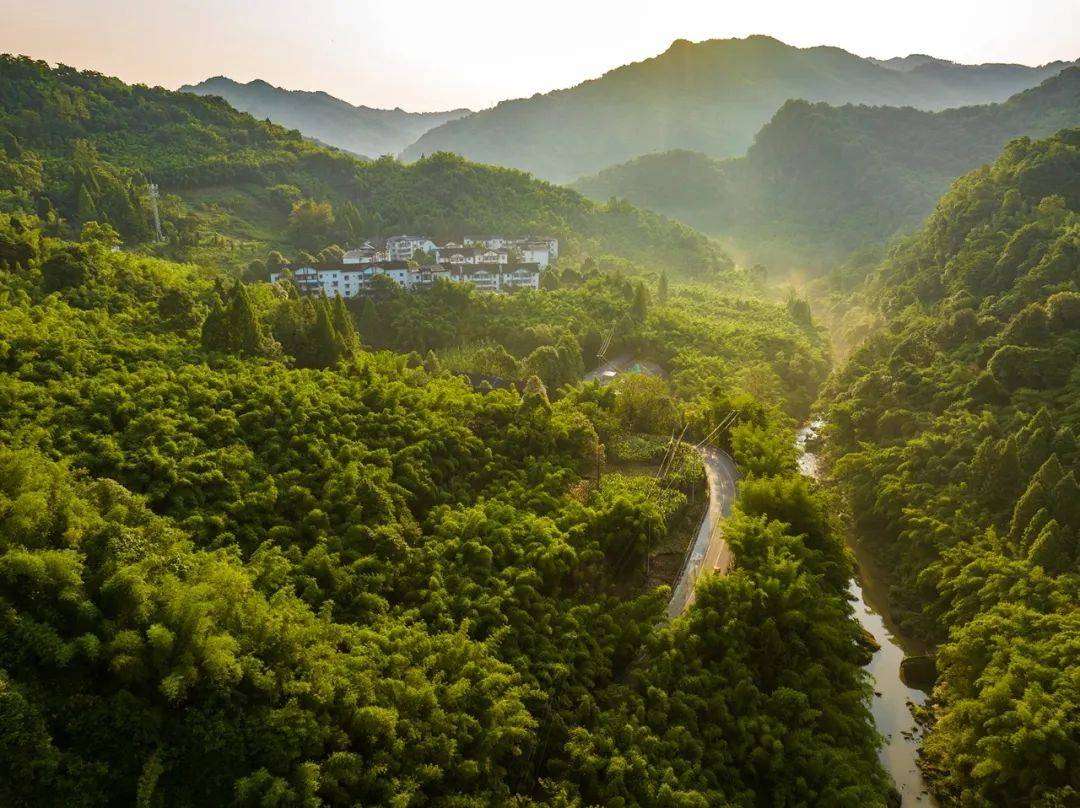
893	698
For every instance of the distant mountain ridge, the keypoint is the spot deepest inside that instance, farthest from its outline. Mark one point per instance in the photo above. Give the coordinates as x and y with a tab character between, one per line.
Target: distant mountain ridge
821	181
78	146
710	97
362	130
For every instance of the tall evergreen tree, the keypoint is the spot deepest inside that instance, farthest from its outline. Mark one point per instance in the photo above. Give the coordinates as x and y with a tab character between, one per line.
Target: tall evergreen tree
233	327
86	209
370	323
244	327
343	324
639	308
327	345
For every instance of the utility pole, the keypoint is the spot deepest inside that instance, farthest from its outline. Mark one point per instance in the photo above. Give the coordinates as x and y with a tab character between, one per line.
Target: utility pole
154	207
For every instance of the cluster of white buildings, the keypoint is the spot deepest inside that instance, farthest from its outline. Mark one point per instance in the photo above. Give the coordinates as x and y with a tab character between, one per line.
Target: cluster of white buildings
493	250
493	265
350	280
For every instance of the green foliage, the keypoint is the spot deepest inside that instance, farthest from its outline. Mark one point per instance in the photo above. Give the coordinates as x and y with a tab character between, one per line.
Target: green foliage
954	434
311	223
232	326
821	180
228	577
233	185
763	669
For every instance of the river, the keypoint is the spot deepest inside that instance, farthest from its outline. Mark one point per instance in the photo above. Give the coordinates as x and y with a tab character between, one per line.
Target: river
893	698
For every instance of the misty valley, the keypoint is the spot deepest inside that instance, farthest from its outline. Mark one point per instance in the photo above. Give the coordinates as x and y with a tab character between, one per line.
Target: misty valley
703	434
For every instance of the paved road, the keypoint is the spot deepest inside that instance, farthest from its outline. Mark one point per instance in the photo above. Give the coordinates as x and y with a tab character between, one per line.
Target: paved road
710	552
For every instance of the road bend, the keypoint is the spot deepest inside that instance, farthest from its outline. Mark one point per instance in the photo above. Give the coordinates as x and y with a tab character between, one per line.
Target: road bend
710	552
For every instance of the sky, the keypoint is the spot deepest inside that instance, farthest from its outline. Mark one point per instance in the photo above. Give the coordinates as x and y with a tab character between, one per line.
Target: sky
444	54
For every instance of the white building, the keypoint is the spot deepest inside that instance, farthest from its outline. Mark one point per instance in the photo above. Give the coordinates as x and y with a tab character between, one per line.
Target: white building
402	248
530	250
366	253
351	280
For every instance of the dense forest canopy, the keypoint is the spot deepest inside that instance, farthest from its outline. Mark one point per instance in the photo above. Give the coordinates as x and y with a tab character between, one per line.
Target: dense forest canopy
821	181
82	147
231	573
954	433
262	548
257	548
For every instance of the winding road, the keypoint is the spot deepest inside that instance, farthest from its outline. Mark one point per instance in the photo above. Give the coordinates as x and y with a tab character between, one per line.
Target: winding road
710	552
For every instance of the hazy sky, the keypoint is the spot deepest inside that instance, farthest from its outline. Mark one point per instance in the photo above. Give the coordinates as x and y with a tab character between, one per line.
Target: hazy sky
429	54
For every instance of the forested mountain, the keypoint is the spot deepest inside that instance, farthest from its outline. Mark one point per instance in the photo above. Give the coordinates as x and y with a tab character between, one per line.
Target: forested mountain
358	129
245	561
821	181
78	146
709	97
955	433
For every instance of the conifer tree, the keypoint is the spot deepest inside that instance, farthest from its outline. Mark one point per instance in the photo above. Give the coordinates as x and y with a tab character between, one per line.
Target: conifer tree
213	328
86	210
639	308
343	324
244	328
662	288
233	327
370	323
326	342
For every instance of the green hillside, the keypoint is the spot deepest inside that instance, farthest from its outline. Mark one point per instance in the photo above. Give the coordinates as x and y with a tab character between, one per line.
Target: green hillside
821	181
246	561
955	434
358	129
710	97
81	146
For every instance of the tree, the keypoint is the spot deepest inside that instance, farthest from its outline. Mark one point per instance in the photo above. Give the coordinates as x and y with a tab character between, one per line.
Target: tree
328	345
311	223
68	267
549	281
256	271
372	329
643	403
330	255
103	235
351	223
275	262
232	327
178	309
639	308
662	289
85	210
343	325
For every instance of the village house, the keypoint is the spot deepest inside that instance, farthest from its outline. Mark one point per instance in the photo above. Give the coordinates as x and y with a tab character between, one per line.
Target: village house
353	279
402	248
531	250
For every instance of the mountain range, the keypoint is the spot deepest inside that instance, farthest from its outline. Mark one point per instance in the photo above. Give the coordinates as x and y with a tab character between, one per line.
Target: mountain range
710	97
821	181
364	131
79	146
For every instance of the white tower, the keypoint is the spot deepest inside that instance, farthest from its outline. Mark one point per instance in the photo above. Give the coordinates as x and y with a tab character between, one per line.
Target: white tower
153	204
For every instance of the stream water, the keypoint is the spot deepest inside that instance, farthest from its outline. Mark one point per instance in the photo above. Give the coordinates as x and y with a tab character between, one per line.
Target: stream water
893	698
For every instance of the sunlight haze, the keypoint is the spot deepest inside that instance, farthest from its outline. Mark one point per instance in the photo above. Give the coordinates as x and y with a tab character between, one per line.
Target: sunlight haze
428	56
